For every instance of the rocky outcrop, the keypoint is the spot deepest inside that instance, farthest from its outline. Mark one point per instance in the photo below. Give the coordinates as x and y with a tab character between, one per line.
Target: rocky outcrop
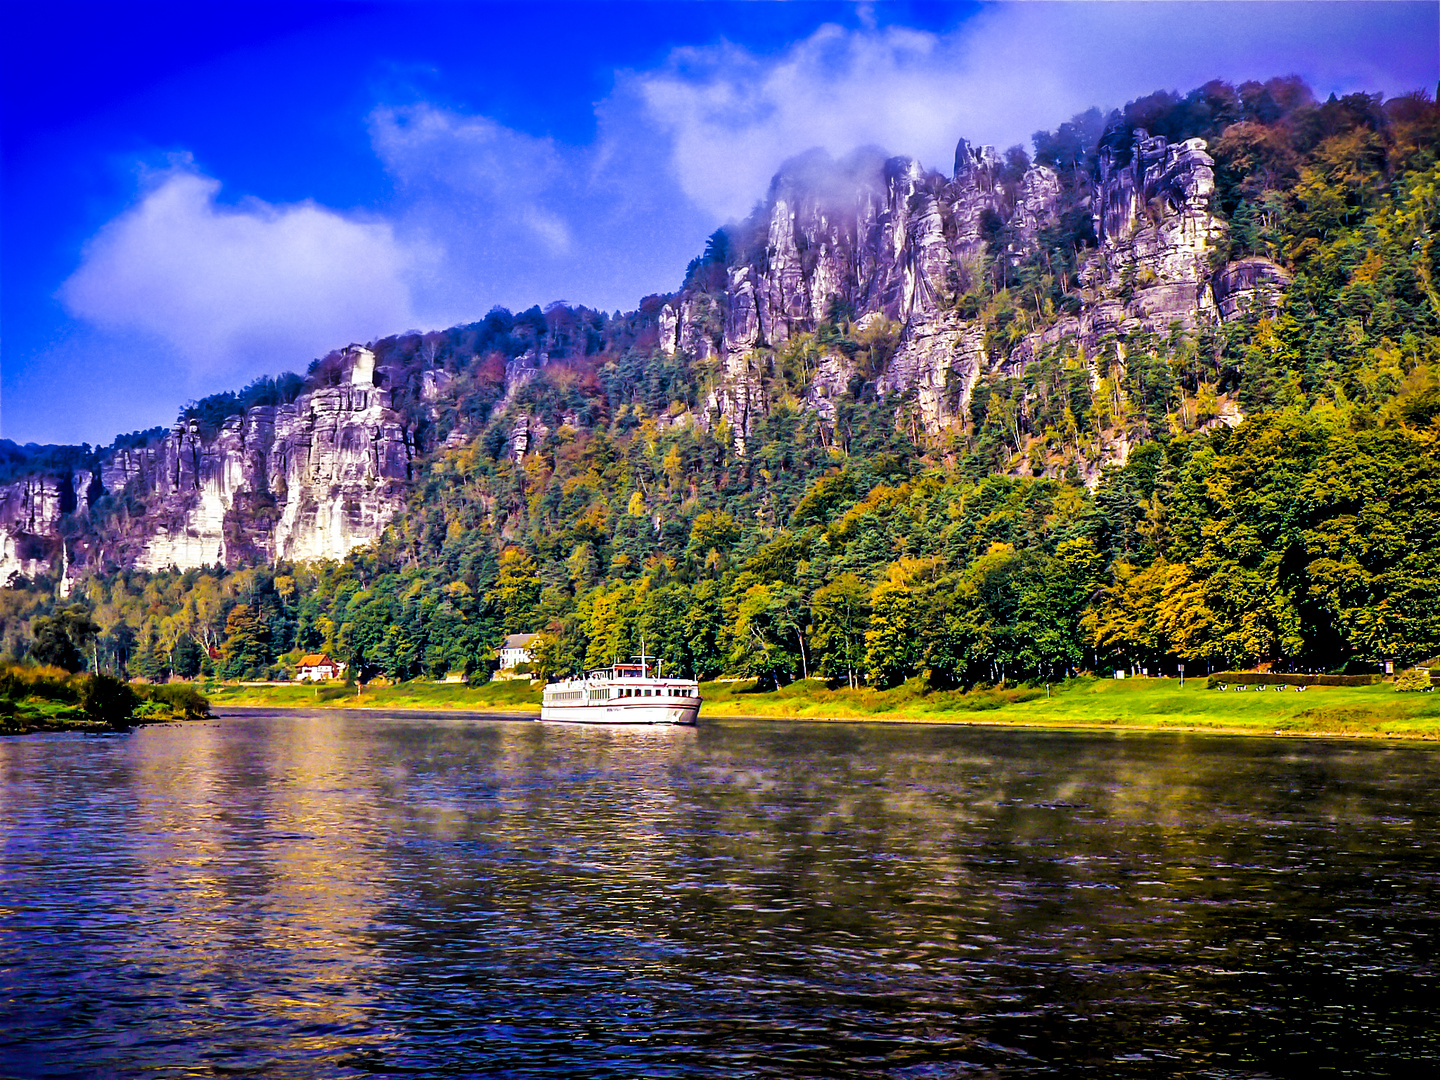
940	359
868	243
871	237
1251	284
30	513
311	479
1156	233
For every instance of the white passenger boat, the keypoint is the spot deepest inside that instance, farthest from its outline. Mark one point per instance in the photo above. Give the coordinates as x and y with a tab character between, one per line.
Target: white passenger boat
623	694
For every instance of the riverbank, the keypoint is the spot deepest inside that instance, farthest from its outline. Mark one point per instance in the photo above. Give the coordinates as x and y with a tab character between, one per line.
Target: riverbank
36	699
1377	711
30	716
516	695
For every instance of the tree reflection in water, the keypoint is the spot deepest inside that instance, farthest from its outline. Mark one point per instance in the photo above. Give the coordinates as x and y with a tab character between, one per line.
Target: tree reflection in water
328	894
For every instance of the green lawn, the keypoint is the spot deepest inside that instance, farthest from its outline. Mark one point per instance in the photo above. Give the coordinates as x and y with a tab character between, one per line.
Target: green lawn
43	714
1102	704
515	695
1147	704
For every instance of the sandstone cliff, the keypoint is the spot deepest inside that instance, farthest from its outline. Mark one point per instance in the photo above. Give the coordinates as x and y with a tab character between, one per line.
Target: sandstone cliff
886	238
311	479
891	249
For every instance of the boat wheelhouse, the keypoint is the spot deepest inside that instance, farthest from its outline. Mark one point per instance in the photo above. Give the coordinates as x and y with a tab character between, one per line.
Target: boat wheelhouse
622	694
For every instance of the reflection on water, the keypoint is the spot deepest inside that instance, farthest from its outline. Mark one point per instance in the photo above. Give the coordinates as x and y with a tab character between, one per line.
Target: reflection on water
334	895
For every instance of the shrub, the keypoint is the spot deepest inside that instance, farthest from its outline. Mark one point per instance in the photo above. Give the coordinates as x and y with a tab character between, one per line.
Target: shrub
1253	678
175	701
1414	679
109	701
51	683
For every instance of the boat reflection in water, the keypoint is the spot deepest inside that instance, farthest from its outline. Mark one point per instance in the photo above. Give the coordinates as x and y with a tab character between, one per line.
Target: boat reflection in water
622	694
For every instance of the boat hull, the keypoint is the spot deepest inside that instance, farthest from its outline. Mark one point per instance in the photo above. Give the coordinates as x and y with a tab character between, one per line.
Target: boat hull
675	711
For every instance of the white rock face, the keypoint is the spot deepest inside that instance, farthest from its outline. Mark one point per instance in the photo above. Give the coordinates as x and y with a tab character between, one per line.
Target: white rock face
31	510
940	359
309	480
887	238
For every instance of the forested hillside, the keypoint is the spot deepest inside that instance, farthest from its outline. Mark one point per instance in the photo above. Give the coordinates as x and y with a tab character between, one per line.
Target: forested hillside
1262	487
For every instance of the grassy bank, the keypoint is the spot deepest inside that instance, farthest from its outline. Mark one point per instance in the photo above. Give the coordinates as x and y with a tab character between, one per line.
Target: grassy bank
1106	704
51	699
1101	704
31	714
514	696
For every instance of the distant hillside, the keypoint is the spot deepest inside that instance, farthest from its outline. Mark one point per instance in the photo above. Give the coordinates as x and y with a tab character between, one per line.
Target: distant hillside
1163	391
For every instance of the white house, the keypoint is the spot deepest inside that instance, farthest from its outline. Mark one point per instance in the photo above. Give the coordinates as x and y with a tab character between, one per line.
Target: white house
317	667
516	650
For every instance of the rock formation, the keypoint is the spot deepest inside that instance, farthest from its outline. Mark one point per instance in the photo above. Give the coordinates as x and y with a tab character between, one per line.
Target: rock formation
878	237
880	243
311	479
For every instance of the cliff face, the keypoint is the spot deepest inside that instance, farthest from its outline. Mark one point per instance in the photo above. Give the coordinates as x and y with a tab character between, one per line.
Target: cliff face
32	510
887	239
883	244
311	479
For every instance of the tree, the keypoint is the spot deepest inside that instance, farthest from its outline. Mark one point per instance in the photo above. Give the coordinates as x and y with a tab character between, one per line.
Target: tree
662	626
610	625
245	652
108	700
766	625
516	595
546	659
841	611
893	648
707	631
711	537
188	657
60	637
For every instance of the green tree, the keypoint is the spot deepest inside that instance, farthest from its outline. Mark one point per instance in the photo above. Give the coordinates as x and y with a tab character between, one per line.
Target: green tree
893	645
188	657
516	594
59	638
767	638
109	700
712	534
245	652
707	631
841	612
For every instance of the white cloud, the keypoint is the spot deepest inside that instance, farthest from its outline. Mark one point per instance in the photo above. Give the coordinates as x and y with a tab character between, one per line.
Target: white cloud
486	215
241	290
509	178
733	116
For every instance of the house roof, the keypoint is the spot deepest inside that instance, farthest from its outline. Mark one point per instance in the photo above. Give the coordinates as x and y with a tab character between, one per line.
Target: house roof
518	641
316	660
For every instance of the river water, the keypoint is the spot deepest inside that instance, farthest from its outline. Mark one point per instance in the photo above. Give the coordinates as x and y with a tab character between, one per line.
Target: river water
338	894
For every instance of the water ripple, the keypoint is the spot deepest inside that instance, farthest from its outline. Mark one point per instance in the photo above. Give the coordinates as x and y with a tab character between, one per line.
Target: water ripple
334	895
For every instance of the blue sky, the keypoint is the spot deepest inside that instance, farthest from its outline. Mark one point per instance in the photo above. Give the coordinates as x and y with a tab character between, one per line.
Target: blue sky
196	194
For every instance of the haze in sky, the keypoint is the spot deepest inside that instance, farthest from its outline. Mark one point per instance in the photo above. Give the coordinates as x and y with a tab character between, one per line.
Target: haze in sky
194	195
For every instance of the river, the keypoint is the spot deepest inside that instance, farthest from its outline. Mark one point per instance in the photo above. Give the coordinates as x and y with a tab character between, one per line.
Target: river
341	894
